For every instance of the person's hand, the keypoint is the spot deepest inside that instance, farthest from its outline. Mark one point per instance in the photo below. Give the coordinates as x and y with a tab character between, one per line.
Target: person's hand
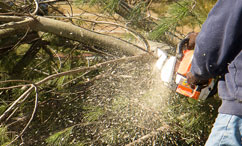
193	81
192	40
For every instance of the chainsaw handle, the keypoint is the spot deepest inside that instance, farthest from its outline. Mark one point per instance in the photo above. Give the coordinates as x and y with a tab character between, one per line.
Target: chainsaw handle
179	49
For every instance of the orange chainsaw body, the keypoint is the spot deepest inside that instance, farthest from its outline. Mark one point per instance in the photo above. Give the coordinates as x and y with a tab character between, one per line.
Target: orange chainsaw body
184	67
181	65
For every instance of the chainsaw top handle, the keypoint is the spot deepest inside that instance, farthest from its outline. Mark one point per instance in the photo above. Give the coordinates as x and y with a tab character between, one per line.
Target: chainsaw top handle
180	46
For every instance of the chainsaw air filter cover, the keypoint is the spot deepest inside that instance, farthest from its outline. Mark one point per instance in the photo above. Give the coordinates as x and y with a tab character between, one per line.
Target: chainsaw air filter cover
183	87
185	64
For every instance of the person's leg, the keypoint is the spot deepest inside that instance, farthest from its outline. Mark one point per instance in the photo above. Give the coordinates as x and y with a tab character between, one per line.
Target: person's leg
227	131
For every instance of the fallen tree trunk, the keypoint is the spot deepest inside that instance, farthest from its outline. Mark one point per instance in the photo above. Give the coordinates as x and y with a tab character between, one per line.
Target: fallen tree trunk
85	36
79	34
73	32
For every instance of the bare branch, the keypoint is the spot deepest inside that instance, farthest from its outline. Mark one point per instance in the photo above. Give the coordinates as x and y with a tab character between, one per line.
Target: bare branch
74	71
11	18
51	1
8	81
17	86
56	9
12	87
21	39
135	33
101	52
194	5
36	7
97	15
31	118
75	78
70	7
15	102
17	24
12	114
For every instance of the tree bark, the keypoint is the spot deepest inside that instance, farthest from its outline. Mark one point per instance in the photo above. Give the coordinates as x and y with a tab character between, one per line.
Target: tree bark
70	31
85	36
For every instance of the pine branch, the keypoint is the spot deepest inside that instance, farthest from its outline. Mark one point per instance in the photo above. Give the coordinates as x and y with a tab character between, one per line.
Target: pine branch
74	71
31	118
147	136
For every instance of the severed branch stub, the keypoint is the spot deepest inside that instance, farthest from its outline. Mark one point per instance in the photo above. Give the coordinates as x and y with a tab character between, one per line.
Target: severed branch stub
17	24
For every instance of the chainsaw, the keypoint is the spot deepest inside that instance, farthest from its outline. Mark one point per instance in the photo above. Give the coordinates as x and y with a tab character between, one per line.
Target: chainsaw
173	71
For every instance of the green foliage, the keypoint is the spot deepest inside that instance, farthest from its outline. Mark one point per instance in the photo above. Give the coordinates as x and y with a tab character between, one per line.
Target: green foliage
192	119
60	138
60	82
137	11
58	56
111	5
3	135
112	135
175	15
4	138
202	9
3	107
8	60
108	5
182	13
93	113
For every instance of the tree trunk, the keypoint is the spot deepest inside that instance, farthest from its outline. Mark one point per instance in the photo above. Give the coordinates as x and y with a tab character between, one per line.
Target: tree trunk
85	36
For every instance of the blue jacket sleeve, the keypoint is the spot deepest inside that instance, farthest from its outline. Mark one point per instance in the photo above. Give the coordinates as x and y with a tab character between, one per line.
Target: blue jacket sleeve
218	41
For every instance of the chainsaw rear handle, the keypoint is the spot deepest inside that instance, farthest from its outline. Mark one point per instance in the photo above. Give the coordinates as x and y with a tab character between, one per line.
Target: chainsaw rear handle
180	46
205	92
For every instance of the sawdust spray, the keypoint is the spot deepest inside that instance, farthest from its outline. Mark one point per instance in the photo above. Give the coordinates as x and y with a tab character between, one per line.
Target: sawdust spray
132	100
